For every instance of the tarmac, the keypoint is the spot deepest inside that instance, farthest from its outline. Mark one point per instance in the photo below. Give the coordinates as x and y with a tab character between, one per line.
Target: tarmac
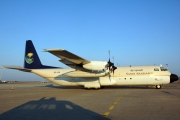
46	101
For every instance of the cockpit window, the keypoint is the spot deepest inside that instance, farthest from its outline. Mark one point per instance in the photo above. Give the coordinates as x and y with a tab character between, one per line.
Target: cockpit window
156	69
163	69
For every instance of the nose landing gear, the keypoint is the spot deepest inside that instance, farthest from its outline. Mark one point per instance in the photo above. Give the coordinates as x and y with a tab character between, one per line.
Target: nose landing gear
158	86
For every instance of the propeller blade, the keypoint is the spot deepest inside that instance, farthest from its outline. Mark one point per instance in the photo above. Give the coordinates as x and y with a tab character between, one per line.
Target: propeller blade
109	63
113	67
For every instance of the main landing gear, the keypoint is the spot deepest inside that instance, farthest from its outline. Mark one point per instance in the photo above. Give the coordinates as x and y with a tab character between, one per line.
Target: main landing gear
158	86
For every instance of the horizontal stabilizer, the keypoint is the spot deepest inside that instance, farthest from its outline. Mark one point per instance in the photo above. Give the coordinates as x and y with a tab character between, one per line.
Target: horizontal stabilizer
17	68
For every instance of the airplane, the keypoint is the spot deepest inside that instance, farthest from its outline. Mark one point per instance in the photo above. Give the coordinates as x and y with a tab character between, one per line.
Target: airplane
4	81
92	74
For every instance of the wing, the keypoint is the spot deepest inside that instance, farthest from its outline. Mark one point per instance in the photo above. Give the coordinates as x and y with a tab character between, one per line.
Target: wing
67	57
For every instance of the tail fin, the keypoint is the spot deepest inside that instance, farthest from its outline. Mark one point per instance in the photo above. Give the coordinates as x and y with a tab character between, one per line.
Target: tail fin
32	60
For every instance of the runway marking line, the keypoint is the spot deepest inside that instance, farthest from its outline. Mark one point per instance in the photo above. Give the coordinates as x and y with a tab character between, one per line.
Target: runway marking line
112	106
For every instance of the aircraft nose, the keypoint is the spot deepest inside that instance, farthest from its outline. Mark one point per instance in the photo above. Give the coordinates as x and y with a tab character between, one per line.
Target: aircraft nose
173	78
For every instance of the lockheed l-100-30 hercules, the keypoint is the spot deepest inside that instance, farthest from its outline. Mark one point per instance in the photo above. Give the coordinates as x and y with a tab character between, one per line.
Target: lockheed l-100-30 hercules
92	74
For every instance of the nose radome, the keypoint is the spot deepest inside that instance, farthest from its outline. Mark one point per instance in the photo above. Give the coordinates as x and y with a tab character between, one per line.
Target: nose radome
173	78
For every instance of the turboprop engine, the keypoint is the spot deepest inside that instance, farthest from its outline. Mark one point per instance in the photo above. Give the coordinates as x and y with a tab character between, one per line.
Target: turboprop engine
96	65
101	65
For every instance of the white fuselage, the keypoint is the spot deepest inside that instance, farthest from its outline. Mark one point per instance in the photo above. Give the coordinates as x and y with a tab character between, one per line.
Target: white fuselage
123	76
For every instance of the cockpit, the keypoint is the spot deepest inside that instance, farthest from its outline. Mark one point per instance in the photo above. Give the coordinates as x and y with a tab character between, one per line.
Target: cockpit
161	69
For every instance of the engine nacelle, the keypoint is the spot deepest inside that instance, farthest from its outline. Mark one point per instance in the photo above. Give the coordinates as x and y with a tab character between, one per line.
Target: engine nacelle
96	65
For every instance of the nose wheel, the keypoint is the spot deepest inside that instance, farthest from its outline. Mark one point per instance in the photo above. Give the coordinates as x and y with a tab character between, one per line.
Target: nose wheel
158	86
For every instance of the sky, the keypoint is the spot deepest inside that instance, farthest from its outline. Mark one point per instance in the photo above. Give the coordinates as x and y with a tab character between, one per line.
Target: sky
137	32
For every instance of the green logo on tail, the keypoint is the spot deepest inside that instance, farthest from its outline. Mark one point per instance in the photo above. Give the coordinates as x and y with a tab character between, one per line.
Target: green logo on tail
29	58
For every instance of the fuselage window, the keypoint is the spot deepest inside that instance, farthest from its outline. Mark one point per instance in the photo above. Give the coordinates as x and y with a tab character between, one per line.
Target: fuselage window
156	69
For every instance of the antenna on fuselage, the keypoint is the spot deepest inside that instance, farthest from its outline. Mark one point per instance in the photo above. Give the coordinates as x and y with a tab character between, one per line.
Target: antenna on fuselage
167	66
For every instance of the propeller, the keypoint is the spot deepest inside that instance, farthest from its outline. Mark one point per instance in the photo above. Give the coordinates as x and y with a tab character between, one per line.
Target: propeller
110	64
113	67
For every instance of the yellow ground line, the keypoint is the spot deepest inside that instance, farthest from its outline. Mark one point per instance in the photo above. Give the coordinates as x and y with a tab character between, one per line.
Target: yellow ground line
119	98
106	114
115	103
110	108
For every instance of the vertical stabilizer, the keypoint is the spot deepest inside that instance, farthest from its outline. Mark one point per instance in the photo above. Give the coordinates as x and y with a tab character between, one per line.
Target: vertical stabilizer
31	58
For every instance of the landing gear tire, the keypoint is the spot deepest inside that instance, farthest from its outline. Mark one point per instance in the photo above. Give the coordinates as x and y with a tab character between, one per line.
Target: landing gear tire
158	86
92	88
96	88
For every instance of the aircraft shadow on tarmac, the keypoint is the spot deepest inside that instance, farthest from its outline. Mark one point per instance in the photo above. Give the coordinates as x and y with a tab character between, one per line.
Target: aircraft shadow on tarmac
50	109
